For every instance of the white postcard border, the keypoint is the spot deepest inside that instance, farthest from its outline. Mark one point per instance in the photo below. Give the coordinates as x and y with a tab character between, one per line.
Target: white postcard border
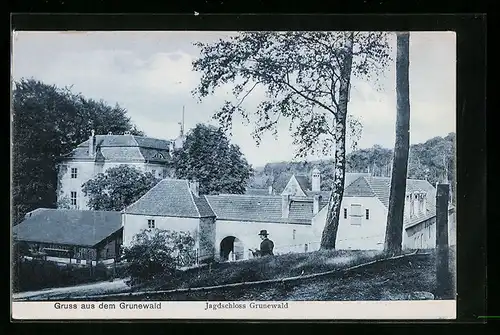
293	310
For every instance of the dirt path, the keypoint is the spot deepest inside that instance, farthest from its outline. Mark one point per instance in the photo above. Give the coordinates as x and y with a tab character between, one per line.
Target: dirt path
118	285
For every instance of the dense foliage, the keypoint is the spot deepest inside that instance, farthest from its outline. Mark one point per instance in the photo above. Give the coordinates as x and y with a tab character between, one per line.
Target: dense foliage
208	157
433	160
157	253
118	187
48	122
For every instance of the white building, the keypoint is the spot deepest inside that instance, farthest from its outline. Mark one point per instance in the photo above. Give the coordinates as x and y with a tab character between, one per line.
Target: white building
101	152
229	223
364	209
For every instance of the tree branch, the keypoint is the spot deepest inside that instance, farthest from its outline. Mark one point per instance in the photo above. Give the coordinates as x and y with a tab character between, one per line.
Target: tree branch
246	94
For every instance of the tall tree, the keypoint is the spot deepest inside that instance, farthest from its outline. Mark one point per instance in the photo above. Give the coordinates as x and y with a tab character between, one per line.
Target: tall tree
208	157
47	122
117	187
395	215
306	78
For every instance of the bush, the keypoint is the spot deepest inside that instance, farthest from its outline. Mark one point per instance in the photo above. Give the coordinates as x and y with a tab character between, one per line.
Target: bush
156	254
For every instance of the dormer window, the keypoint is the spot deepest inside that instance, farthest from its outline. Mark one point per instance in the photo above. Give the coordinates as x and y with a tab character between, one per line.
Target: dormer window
158	155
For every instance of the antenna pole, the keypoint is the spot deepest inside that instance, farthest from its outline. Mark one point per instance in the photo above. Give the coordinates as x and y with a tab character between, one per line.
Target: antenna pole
182	123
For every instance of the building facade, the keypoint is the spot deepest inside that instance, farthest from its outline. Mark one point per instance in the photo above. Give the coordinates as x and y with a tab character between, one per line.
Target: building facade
363	217
101	152
226	226
176	205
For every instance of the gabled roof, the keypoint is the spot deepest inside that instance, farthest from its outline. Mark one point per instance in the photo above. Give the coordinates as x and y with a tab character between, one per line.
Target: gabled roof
171	197
348	180
303	182
251	208
67	226
123	148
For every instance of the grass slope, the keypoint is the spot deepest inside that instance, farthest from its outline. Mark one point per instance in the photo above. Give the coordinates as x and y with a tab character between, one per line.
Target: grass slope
265	268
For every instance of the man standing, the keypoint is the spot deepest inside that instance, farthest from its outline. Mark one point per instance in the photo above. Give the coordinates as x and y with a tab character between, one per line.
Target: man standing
266	246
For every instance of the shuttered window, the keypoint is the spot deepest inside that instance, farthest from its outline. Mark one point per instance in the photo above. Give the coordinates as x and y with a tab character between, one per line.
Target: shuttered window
356	214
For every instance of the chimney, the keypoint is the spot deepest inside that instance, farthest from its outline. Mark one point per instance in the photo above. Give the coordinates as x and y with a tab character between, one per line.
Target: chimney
270	190
91	143
407	205
424	203
316	200
194	186
316	180
416	203
285	206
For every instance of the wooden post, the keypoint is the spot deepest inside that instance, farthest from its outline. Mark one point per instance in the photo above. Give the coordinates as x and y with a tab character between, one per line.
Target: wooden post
443	277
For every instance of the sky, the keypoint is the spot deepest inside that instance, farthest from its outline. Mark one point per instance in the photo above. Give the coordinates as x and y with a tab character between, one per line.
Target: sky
150	74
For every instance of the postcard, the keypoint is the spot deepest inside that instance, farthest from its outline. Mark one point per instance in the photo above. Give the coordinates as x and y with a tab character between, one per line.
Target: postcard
233	175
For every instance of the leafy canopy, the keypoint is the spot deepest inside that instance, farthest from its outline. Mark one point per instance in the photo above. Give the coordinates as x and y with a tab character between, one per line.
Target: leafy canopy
208	157
300	74
117	187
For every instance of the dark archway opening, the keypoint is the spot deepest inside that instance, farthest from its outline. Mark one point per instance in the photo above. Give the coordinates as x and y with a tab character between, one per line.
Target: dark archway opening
231	248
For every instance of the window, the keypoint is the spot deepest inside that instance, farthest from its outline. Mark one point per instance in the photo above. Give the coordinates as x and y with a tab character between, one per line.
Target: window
345	213
367	214
153	172
356	214
164	173
151	223
294	233
73	198
158	156
74	173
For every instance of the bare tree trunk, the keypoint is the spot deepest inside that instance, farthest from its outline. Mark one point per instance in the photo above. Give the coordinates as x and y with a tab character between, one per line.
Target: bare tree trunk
332	220
395	215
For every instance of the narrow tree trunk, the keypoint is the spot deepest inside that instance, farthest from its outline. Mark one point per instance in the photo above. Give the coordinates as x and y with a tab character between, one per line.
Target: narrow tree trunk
395	216
332	220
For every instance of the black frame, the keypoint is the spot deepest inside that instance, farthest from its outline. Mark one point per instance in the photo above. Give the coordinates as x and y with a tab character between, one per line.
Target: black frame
471	107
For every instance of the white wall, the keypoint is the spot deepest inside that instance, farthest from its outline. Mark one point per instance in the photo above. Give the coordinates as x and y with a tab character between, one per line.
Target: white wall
85	171
369	235
280	234
423	235
133	224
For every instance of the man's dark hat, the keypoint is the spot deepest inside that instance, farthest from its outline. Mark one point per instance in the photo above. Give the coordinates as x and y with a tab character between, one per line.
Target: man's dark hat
263	232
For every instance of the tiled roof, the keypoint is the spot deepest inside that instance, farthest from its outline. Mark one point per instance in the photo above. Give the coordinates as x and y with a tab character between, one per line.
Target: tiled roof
359	188
124	148
203	206
257	191
349	179
380	187
170	197
69	227
250	208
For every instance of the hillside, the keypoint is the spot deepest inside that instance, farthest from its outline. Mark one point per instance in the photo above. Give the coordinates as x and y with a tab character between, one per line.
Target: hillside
431	160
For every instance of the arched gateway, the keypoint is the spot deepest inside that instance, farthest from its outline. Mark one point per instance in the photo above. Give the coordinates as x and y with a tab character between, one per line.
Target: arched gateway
231	248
